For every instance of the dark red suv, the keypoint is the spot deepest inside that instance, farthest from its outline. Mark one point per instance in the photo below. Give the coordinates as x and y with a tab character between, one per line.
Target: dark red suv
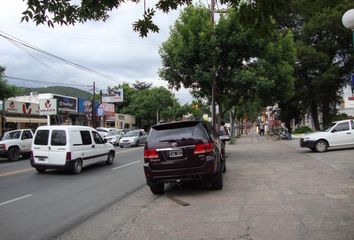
183	151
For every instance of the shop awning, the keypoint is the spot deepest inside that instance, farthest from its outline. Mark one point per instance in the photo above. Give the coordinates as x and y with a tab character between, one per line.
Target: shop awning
25	119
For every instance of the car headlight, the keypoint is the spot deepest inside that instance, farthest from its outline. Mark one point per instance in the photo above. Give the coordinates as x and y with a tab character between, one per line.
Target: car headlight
305	139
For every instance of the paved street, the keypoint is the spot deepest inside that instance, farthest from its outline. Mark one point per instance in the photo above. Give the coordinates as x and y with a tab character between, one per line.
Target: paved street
272	190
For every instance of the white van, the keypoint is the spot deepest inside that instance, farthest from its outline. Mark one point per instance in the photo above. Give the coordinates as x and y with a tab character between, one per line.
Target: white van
69	147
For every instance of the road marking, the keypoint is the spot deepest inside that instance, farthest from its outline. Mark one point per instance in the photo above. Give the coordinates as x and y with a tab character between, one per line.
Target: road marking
16	199
16	172
126	165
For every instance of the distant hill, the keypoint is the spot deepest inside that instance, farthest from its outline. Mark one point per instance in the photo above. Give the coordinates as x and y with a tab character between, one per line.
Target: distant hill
66	91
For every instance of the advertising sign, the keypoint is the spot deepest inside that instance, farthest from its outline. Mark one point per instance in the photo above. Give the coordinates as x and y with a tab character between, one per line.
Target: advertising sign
21	107
114	96
108	109
66	103
48	106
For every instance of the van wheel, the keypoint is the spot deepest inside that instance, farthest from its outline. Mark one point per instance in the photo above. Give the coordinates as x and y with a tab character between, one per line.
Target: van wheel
157	188
77	168
14	154
40	169
217	181
110	158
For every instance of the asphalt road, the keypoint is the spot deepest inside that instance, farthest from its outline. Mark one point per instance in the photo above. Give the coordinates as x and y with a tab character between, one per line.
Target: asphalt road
42	206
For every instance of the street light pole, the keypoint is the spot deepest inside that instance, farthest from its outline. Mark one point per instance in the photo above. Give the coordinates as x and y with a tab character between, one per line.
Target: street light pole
348	22
212	5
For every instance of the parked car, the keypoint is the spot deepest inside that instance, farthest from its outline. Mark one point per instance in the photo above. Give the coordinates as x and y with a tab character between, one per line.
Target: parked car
104	131
69	148
114	135
336	134
183	151
133	138
15	143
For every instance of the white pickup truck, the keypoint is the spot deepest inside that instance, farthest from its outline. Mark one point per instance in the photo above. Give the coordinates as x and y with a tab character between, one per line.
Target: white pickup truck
16	143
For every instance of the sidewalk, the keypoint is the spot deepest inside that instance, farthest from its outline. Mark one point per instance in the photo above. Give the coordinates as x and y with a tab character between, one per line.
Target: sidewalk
271	192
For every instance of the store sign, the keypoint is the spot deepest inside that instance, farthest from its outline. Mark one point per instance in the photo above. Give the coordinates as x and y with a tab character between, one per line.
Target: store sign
114	96
108	109
48	106
66	103
21	107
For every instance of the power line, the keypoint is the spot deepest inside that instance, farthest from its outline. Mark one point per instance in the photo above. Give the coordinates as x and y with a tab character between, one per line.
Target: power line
13	40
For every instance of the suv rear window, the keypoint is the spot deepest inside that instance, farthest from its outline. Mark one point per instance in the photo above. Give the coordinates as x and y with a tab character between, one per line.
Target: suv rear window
58	138
177	131
41	137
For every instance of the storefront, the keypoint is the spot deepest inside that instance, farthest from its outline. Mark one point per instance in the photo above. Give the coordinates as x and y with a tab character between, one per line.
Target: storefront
18	115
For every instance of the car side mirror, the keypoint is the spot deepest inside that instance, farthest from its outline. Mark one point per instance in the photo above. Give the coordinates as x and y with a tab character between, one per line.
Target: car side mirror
334	130
105	140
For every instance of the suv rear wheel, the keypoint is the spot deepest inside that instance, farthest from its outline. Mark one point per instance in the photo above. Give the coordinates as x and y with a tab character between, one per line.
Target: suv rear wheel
157	188
217	181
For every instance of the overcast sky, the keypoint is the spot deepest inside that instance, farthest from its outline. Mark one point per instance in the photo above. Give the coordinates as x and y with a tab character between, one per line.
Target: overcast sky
110	47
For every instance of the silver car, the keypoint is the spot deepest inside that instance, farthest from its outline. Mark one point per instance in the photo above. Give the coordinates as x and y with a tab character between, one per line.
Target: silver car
114	135
133	138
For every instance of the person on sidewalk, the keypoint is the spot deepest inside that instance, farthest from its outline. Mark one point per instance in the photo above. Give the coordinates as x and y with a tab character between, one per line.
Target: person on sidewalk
261	128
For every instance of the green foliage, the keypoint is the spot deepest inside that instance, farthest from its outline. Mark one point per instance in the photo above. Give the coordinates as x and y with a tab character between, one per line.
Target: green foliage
6	90
341	116
303	129
244	64
67	91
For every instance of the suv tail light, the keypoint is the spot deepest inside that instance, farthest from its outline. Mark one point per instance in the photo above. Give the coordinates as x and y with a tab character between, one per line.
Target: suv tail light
150	153
201	148
68	156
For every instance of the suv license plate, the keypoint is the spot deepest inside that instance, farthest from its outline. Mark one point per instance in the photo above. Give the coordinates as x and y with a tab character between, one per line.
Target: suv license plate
176	153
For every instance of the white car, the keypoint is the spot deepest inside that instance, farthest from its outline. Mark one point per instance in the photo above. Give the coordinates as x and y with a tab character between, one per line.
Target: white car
104	131
133	138
114	135
336	134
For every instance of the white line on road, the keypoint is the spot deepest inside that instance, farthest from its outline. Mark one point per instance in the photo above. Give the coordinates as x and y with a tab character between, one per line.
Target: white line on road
126	165
16	199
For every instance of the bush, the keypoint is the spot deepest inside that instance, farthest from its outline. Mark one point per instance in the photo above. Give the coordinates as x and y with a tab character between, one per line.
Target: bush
303	129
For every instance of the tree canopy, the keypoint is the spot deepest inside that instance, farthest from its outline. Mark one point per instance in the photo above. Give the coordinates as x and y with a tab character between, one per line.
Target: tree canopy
67	12
233	55
6	90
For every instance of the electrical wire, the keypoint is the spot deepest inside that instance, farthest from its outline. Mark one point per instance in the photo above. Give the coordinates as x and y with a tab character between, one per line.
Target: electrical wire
13	39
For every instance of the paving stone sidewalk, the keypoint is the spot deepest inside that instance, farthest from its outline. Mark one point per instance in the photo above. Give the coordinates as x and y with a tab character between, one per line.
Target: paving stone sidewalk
271	191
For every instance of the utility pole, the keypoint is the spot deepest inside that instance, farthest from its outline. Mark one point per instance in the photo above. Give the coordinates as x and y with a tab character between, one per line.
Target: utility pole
93	118
212	5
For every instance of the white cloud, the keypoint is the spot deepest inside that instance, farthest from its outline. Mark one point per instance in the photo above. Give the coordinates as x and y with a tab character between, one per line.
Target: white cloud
110	47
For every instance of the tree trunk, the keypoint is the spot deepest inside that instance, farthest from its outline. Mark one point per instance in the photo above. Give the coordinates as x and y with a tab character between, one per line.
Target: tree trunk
326	113
232	125
314	115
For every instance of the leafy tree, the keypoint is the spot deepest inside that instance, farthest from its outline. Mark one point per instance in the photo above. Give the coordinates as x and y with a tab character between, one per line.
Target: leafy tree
68	12
244	64
6	90
141	85
324	55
